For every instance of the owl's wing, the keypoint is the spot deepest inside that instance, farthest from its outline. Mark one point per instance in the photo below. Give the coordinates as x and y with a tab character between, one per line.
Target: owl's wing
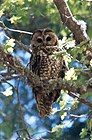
34	64
56	91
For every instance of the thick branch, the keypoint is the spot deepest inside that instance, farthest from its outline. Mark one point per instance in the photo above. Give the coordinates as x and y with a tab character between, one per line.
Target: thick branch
35	81
16	65
24	47
78	28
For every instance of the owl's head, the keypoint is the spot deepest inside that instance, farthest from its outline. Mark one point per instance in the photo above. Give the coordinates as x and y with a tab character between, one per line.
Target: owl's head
44	37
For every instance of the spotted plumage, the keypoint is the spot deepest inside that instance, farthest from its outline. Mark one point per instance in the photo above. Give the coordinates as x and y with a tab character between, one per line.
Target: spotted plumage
44	64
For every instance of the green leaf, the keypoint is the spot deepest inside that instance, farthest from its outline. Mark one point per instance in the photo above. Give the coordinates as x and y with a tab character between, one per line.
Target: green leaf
63	115
8	47
15	19
62	104
84	132
71	74
57	128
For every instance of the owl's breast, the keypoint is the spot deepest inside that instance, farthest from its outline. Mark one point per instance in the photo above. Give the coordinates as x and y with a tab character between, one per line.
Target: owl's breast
45	66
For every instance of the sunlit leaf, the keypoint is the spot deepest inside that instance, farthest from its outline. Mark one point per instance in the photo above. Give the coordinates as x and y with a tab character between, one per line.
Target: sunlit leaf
63	33
54	110
89	123
13	1
10	42
56	128
83	132
14	19
50	1
8	92
71	74
91	137
89	0
62	104
1	12
75	103
10	49
91	62
9	45
20	2
70	44
67	58
64	115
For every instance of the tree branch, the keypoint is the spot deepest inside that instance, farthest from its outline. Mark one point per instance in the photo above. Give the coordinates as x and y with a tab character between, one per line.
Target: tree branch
84	101
24	47
35	81
78	28
15	64
13	30
20	44
8	77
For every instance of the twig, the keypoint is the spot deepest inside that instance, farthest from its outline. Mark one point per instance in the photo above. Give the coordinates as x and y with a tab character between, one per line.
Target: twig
5	78
13	30
78	116
80	99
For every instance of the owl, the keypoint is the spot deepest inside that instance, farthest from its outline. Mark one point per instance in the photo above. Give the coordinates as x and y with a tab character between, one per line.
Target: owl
43	63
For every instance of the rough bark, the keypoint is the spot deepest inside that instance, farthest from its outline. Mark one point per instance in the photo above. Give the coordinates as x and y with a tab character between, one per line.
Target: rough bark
78	28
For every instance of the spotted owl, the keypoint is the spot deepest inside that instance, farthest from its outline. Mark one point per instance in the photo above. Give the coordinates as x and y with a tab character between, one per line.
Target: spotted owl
43	63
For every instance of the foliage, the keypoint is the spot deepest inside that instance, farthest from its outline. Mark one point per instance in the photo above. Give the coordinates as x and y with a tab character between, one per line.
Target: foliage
18	109
26	12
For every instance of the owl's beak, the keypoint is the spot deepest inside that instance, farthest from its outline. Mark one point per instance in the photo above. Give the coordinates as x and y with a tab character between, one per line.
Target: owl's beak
44	43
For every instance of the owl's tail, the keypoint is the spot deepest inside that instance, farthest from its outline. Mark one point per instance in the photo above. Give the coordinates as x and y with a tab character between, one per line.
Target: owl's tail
45	101
43	104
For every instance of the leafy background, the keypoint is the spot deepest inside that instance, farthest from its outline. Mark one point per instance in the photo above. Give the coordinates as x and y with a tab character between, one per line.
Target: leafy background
72	120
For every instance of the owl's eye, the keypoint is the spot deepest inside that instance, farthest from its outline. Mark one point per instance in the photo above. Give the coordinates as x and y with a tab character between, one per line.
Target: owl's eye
39	40
48	38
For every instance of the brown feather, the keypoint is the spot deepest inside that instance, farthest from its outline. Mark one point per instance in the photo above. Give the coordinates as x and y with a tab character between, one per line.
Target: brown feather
44	45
